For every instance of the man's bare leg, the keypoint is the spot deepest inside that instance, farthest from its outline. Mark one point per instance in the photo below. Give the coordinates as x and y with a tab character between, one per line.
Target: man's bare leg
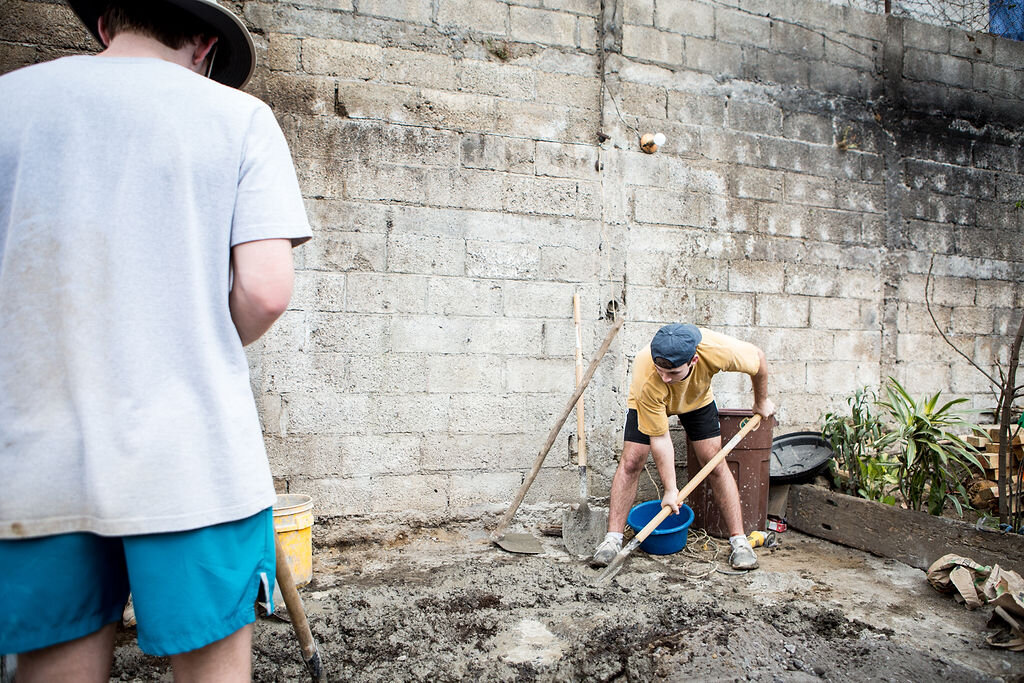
226	661
727	494
625	482
83	660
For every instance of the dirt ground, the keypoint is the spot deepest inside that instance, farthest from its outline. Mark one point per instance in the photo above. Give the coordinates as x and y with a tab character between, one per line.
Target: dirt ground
444	604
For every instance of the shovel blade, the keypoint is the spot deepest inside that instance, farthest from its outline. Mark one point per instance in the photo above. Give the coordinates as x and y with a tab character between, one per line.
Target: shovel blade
583	529
523	544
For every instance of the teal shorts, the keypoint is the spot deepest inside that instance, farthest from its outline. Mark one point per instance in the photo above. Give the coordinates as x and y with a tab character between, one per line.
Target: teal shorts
189	588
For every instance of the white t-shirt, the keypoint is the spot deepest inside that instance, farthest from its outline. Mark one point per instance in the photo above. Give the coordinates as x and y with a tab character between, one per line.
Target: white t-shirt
125	403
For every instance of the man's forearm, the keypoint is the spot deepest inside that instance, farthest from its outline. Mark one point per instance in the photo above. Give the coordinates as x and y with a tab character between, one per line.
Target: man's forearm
664	459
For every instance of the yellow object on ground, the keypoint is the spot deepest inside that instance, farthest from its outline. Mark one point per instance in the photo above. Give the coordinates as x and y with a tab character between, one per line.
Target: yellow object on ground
293	525
756	539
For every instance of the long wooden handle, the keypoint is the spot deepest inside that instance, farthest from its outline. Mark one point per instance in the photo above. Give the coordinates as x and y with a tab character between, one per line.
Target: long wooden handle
300	624
581	439
750	425
553	434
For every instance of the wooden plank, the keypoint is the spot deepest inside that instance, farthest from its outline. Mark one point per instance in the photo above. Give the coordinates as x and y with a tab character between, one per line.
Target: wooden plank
993	435
976	441
914	538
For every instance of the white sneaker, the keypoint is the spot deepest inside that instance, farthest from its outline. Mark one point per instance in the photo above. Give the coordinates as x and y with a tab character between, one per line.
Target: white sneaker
606	552
743	556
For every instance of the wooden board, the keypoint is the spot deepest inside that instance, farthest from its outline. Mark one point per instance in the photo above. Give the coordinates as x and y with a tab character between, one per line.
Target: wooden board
914	538
993	434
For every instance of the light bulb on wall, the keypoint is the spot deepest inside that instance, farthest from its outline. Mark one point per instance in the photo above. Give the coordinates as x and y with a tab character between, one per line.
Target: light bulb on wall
650	142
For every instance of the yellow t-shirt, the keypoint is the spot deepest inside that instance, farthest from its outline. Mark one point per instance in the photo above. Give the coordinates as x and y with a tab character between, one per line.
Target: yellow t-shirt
654	401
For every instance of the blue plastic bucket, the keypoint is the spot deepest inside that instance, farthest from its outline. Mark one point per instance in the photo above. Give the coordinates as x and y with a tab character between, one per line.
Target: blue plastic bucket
669	536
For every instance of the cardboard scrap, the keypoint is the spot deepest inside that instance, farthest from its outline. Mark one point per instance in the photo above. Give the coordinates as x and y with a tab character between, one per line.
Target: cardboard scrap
976	585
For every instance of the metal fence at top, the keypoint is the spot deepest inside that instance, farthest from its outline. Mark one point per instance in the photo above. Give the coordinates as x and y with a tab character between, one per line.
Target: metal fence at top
1000	17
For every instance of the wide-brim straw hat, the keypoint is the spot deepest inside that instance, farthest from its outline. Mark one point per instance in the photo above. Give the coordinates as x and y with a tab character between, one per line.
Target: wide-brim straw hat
236	54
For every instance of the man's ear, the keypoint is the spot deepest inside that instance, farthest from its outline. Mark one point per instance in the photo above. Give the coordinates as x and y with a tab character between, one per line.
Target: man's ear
101	28
203	45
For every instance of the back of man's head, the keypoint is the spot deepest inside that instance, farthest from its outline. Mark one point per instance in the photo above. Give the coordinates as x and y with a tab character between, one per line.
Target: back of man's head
158	20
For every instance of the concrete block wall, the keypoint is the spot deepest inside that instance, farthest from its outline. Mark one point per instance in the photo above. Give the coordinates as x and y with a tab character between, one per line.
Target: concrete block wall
469	164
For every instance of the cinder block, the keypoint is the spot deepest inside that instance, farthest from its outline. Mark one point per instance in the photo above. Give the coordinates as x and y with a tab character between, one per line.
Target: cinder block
863	54
413	11
695	108
379	453
918	35
756	183
481	453
841	377
335	140
501	260
842	314
686	17
526	195
347	332
337	496
305	455
720	308
742	28
459	296
474	489
486	16
530	25
578	91
973	320
711	56
386	293
353	61
498	153
390	182
541	374
652	44
928	66
459	373
797	40
426	254
661	303
283	52
505	414
808	127
538	300
784	69
862	346
756	276
418	145
345	251
568	264
860	284
393	493
495	78
567	161
295	93
761	117
325	411
428	334
810	190
408	411
665	207
377	370
639	12
318	291
782	311
465	189
425	69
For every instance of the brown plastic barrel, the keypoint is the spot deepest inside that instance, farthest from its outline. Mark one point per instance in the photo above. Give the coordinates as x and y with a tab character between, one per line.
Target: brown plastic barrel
750	464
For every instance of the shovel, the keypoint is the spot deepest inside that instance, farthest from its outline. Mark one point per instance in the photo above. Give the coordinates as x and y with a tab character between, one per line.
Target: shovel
525	543
300	624
615	565
582	528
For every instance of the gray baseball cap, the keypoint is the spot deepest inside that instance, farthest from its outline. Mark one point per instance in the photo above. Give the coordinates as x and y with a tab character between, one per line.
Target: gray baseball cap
236	53
676	343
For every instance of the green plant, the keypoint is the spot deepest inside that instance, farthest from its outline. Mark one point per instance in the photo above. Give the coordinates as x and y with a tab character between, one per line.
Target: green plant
868	473
931	458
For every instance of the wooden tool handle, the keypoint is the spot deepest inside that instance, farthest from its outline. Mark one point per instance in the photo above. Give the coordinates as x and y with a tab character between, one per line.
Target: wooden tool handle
295	609
553	434
748	427
581	439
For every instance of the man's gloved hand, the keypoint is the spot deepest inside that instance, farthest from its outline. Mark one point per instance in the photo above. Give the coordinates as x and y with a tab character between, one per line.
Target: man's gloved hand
670	499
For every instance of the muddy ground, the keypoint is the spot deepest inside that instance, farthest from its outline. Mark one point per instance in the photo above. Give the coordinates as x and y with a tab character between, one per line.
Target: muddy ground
444	604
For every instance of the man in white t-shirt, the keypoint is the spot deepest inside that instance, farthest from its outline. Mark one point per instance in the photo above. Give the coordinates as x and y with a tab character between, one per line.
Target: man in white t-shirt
148	209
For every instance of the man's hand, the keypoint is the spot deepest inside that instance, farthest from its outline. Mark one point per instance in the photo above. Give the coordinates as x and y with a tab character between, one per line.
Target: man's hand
671	499
764	408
